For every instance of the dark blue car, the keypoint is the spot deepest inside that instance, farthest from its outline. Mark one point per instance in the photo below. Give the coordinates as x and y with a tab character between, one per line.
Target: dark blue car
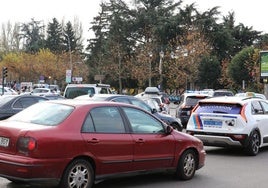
174	122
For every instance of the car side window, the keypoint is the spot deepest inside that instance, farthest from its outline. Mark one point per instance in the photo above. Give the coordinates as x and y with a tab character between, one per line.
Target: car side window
104	120
88	125
121	99
264	106
141	104
256	108
142	122
24	102
103	91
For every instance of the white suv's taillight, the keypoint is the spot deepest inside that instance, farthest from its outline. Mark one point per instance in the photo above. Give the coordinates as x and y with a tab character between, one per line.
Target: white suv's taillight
243	115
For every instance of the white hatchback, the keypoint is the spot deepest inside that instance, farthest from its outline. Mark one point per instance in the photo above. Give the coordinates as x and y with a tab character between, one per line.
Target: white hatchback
231	121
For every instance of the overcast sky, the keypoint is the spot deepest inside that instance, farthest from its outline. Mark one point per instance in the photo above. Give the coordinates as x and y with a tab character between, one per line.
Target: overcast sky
250	13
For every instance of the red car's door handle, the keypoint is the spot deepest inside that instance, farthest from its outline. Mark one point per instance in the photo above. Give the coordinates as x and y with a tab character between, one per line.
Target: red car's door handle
140	140
93	141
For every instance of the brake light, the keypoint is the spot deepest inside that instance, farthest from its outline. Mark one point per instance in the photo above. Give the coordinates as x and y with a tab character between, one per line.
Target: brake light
242	113
26	144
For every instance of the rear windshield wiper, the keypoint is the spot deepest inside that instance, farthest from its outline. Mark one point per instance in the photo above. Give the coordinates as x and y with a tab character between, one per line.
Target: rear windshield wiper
220	112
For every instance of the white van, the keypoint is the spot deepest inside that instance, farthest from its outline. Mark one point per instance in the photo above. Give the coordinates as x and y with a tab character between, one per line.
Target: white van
74	90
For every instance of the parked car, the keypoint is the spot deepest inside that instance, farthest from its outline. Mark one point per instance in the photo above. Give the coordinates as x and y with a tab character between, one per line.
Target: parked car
153	104
54	88
12	104
75	143
7	91
154	93
74	90
251	94
174	122
187	103
230	122
40	91
222	92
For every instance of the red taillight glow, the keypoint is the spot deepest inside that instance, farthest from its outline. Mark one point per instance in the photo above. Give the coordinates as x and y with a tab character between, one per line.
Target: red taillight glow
26	144
31	144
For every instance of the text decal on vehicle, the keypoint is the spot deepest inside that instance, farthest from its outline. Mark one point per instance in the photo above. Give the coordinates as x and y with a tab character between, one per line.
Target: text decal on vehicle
197	122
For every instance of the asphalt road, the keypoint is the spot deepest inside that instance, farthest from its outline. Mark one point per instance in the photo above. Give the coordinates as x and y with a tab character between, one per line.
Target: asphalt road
224	168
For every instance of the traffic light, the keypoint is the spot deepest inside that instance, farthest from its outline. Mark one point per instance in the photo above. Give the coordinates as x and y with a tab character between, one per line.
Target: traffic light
4	72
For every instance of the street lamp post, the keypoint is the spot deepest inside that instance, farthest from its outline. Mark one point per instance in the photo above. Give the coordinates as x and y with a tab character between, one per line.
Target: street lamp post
150	69
69	72
161	54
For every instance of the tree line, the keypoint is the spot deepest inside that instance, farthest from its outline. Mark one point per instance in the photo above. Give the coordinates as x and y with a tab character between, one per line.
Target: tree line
141	43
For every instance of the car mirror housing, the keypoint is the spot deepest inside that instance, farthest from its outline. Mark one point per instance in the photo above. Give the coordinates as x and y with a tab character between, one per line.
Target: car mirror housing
169	129
154	111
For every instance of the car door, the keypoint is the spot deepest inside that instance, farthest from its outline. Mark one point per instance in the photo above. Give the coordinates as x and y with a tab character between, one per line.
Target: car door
153	148
262	119
107	140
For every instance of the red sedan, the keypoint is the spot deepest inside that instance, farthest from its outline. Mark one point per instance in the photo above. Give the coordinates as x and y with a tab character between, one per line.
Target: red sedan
76	143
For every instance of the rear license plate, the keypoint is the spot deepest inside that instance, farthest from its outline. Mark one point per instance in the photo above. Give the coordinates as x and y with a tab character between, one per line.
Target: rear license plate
4	141
213	123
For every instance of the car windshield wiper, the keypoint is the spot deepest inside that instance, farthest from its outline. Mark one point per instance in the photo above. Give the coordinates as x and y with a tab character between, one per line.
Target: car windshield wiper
220	112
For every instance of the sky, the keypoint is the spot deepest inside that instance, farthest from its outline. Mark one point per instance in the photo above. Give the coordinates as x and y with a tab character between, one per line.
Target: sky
250	13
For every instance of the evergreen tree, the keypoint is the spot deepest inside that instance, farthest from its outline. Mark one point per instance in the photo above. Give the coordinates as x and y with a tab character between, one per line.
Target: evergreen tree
33	35
70	40
209	71
54	40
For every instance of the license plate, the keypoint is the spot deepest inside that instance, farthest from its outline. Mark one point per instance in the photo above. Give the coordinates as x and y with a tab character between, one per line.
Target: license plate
4	141
213	123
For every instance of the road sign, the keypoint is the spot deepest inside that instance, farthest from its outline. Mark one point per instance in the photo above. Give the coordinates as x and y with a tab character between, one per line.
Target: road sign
68	76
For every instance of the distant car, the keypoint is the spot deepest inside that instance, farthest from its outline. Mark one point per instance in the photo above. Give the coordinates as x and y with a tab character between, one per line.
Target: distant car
54	88
154	93
187	103
7	91
12	104
174	122
222	92
251	94
153	104
75	143
41	91
231	122
74	90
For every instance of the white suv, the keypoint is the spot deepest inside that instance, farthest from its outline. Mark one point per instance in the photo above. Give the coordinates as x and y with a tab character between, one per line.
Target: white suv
74	90
231	121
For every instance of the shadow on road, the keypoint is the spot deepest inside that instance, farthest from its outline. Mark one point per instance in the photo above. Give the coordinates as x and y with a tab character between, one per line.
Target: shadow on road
146	180
234	151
